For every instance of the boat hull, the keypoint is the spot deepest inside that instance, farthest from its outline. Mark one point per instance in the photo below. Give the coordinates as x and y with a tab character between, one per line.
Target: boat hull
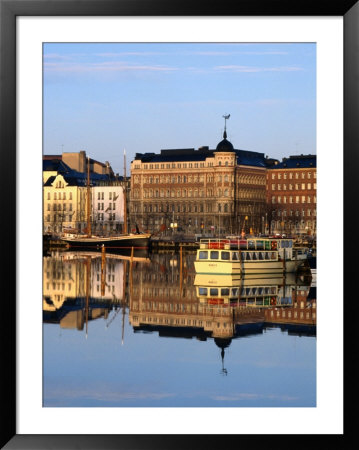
120	243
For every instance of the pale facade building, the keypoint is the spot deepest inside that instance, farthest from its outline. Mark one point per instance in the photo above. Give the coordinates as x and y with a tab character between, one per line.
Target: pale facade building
219	191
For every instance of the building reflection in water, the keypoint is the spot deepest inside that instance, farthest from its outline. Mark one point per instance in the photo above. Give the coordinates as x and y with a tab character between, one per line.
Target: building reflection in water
164	295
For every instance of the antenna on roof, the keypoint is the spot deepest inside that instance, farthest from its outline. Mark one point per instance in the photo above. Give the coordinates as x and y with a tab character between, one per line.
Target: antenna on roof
124	163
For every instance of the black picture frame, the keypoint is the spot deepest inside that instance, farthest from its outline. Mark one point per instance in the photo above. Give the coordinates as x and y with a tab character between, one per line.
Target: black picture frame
9	10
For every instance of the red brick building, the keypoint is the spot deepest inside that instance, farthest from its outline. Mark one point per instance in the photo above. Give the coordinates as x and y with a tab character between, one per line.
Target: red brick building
291	196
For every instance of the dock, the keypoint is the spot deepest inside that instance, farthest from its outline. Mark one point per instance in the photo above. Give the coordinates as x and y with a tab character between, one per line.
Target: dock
171	244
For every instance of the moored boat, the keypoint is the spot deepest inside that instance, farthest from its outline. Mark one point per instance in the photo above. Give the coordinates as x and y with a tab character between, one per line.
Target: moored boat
246	257
120	242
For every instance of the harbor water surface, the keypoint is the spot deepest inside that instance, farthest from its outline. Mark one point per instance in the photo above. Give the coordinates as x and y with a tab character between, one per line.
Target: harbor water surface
144	332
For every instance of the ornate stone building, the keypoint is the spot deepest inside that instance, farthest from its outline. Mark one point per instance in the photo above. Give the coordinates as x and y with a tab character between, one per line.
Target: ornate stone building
219	191
292	196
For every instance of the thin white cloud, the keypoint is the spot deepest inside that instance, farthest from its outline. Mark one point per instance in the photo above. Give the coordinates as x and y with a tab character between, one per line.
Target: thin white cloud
253	69
190	53
108	66
247	396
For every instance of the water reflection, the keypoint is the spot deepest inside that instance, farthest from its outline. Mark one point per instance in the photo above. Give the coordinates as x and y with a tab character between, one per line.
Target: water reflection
162	294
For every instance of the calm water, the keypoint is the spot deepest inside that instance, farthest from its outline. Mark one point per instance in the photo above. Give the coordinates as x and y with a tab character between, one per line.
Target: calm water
143	333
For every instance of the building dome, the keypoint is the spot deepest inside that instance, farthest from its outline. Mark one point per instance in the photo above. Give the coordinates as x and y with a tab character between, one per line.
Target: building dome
224	145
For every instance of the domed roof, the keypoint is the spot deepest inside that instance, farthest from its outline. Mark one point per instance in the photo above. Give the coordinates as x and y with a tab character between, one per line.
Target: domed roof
224	145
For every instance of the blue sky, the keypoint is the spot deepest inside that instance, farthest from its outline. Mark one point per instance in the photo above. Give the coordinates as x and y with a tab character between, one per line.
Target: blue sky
144	97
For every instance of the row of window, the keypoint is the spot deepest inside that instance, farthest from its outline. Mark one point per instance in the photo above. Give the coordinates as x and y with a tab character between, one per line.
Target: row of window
149	193
225	208
296	175
226	178
59	207
297	213
180	165
59	196
111	206
111	196
296	199
69	217
296	186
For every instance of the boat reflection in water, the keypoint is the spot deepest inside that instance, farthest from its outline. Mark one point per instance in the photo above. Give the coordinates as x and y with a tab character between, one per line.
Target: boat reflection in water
164	295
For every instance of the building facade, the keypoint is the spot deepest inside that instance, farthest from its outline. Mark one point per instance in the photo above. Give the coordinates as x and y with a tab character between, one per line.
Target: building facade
213	192
66	191
292	197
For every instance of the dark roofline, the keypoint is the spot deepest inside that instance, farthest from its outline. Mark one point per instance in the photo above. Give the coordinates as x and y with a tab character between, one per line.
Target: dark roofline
49	157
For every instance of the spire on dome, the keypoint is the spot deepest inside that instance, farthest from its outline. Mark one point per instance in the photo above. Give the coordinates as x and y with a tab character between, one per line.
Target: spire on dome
225	145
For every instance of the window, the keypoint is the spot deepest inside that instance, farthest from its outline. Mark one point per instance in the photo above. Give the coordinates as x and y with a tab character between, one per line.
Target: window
226	256
214	254
48	196
203	255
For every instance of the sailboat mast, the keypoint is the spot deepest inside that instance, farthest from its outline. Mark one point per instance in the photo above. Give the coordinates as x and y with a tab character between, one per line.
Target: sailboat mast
89	231
124	194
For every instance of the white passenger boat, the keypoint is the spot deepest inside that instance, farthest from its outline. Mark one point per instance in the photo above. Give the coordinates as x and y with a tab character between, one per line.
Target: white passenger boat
245	257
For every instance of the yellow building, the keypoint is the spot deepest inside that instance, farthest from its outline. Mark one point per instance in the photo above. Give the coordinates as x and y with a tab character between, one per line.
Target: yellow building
65	193
64	205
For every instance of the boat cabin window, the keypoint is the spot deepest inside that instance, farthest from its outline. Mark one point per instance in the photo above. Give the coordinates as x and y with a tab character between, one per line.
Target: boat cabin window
225	291
235	292
203	255
251	245
202	291
286	244
260	245
213	291
226	256
235	256
214	255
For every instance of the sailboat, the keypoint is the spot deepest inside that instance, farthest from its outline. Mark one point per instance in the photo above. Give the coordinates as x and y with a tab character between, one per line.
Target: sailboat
122	242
